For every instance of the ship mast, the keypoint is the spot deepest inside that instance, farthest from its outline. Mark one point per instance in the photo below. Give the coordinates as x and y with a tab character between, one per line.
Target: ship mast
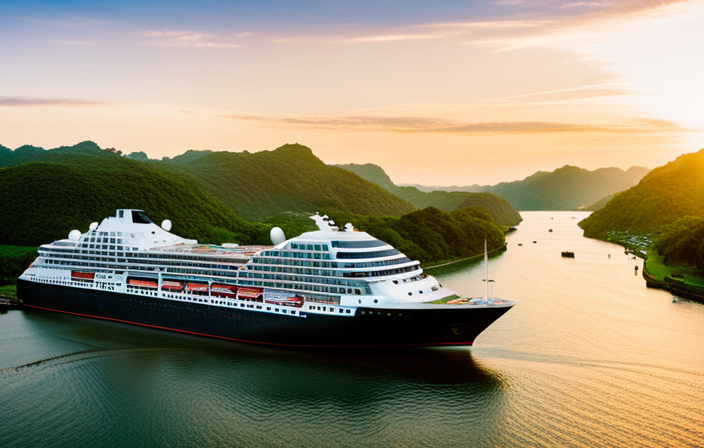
487	296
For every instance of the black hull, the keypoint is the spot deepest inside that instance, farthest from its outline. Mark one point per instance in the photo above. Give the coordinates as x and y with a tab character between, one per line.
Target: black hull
451	325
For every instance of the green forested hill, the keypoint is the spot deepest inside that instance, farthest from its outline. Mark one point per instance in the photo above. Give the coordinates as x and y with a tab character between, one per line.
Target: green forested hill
43	201
47	193
682	242
433	235
666	194
290	178
29	153
502	211
566	188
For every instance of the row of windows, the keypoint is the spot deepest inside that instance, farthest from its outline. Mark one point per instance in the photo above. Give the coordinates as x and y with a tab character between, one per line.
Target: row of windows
317	247
357	244
378	254
81	258
382	273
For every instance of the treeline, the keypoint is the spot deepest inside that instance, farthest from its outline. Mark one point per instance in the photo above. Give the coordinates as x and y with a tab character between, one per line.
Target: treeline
502	211
665	195
267	183
13	261
432	235
566	188
682	243
46	194
42	202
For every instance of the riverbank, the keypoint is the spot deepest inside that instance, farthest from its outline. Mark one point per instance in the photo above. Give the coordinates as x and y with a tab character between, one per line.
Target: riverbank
8	297
680	282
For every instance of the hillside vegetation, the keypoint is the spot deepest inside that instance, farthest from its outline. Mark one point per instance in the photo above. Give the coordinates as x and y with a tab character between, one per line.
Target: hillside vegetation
13	261
501	210
566	188
682	243
432	235
47	193
665	195
43	201
290	178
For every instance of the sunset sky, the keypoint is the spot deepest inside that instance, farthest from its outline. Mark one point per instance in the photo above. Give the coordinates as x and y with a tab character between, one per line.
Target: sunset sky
446	92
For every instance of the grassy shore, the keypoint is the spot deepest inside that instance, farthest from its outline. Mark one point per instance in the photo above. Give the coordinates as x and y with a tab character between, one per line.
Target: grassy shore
660	271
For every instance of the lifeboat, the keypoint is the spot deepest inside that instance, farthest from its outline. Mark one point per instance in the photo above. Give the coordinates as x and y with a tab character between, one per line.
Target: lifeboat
141	283
171	286
197	288
284	300
82	275
218	290
249	294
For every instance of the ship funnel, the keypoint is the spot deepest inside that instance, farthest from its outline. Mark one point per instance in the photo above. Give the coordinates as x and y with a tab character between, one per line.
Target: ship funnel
277	236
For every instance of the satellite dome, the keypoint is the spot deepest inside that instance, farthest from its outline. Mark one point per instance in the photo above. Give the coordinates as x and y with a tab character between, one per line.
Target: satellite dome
74	235
166	225
93	226
277	236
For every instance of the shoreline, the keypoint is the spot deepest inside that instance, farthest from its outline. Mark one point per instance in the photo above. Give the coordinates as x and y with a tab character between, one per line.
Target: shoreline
490	253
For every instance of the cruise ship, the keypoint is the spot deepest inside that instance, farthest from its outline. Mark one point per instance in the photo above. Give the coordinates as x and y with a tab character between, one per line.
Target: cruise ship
327	288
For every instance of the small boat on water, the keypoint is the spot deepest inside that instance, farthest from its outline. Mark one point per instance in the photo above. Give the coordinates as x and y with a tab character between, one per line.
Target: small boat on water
550	230
567	254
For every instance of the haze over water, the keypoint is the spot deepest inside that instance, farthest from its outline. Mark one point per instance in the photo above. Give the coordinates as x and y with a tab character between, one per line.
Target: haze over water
589	357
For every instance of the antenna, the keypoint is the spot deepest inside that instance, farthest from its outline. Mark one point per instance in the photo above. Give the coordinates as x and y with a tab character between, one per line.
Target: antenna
487	294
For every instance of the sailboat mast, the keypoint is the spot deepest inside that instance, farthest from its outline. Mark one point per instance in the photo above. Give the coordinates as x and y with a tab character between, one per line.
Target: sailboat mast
486	272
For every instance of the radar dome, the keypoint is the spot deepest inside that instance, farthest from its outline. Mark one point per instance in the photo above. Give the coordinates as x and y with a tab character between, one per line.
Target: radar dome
74	235
277	236
166	225
93	226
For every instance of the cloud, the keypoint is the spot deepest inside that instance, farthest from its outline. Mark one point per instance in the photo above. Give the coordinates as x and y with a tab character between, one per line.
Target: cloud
175	38
24	101
531	24
573	94
440	126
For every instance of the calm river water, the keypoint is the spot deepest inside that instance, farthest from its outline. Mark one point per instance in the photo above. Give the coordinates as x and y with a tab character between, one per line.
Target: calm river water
589	357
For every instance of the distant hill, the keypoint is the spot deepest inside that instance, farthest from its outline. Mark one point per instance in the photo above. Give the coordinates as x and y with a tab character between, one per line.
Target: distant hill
599	204
476	188
566	188
665	195
290	178
503	212
43	201
29	153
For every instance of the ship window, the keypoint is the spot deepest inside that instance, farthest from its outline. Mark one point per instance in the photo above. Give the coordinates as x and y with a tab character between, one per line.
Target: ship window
120	214
140	218
347	311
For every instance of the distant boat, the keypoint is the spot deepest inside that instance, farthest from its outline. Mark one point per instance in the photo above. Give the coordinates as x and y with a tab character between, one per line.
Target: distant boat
534	242
550	230
520	244
567	254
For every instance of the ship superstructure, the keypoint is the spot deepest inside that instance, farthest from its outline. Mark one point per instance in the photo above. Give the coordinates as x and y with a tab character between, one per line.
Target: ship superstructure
322	288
